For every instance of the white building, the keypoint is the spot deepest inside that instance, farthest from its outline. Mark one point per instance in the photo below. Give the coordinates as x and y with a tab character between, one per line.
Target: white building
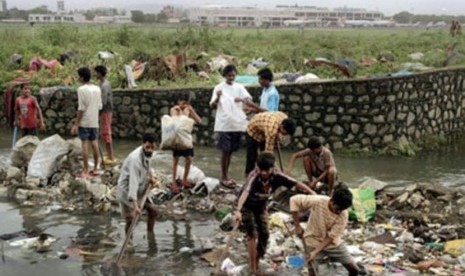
117	19
57	18
276	17
3	6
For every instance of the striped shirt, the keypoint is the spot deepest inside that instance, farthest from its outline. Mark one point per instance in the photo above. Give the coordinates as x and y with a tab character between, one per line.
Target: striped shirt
264	127
322	223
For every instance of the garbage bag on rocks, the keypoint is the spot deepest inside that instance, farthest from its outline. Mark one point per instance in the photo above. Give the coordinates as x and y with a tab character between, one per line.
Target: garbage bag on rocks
45	157
176	132
22	154
363	205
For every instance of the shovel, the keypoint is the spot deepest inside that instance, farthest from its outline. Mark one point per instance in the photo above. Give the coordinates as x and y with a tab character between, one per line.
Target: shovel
226	249
115	267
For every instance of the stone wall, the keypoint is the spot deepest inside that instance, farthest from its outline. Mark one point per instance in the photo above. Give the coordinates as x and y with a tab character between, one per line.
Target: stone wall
356	114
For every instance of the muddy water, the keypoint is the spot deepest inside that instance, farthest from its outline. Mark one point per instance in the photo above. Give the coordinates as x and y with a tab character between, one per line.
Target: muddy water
160	255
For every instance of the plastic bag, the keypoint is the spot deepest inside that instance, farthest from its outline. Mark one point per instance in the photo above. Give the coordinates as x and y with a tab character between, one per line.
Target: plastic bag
363	205
22	154
455	247
45	157
176	132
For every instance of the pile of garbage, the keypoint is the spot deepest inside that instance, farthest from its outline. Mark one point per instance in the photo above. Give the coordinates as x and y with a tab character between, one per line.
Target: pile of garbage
404	229
389	236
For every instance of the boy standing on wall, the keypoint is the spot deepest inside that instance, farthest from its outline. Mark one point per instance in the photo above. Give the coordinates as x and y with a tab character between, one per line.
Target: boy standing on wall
107	110
26	109
86	123
251	207
269	100
325	227
183	108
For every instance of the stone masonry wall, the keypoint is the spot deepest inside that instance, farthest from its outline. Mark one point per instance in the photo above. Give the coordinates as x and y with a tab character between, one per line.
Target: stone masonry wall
355	114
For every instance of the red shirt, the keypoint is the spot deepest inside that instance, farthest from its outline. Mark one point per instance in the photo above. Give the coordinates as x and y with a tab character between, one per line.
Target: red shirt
27	108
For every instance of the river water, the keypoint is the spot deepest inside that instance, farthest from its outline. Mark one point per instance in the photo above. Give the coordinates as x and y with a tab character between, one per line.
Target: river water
159	255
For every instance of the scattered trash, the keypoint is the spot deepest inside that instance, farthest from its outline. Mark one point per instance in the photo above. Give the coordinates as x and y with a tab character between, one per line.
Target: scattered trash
364	205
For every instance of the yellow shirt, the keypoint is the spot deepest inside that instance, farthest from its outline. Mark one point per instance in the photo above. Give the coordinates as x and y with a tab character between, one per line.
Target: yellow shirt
322	223
264	127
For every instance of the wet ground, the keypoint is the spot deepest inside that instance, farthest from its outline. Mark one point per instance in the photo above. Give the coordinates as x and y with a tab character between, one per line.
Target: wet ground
160	255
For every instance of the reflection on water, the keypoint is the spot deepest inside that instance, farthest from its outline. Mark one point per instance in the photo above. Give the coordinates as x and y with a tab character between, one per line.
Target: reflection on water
101	235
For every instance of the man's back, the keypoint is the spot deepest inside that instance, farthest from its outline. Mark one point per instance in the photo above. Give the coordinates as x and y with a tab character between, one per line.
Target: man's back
90	102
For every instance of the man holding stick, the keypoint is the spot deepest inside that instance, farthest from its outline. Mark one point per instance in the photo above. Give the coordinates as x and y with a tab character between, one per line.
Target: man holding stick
133	182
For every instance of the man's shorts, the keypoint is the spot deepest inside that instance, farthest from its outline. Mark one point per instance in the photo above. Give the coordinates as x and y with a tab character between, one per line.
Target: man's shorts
228	141
256	223
105	126
338	254
29	131
87	133
127	211
183	153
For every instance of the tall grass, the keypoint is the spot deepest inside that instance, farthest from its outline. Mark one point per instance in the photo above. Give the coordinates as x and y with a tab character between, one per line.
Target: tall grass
284	49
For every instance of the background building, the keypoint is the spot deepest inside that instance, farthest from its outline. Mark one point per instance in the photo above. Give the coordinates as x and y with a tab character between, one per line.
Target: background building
3	6
280	16
57	18
60	6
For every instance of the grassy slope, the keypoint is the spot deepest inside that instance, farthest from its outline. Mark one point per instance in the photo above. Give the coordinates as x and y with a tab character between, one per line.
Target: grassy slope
285	49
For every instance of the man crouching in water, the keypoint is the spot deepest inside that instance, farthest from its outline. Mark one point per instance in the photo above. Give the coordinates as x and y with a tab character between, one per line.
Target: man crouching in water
251	208
133	182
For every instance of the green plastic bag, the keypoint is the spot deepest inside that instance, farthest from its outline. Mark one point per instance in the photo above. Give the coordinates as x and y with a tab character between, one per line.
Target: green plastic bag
363	205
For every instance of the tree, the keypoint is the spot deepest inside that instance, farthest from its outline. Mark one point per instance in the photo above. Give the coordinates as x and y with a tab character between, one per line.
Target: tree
161	17
403	17
137	16
150	18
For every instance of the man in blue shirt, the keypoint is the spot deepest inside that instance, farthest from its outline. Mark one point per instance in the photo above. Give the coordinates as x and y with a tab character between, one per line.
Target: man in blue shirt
269	100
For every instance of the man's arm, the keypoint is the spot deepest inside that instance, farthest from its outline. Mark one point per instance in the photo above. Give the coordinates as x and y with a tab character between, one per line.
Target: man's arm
77	122
325	243
256	108
301	186
193	114
134	181
294	157
41	118
297	204
215	99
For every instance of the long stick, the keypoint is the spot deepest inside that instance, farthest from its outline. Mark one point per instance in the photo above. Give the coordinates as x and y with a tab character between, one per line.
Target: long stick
132	227
226	249
101	154
15	137
278	147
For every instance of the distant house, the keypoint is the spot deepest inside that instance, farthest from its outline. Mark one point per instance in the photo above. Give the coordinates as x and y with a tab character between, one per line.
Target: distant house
57	18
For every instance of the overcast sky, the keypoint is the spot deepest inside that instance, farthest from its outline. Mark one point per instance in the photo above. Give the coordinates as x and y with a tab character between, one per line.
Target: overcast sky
388	7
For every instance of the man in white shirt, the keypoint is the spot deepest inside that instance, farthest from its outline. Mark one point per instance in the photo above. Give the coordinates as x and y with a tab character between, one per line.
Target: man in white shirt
86	123
230	121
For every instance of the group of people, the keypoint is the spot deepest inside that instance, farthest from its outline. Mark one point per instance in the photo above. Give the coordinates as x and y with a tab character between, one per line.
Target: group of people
263	132
232	102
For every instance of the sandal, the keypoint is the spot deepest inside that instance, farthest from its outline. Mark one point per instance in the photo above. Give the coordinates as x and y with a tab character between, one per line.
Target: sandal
175	187
229	183
94	173
82	175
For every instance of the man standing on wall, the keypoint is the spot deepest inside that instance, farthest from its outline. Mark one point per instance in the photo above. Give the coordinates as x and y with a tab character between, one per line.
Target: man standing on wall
26	110
86	123
230	121
106	112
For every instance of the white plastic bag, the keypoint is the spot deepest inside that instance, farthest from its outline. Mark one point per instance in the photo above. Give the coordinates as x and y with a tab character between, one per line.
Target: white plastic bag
45	157
176	132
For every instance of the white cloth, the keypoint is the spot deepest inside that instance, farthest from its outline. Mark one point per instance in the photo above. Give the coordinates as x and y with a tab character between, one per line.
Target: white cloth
90	102
230	116
132	181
